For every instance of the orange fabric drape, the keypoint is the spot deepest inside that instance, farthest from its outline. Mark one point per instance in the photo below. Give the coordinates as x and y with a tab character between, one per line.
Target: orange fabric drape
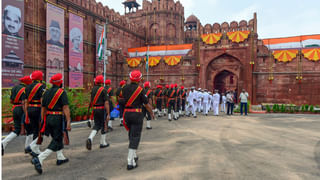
285	55
133	62
238	36
172	60
153	61
211	38
312	54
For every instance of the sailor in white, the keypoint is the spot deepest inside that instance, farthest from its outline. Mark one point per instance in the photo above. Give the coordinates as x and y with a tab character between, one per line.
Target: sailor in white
198	99
205	102
191	100
216	100
223	103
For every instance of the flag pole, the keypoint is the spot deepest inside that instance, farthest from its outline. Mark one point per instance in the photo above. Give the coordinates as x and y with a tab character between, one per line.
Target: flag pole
105	58
147	64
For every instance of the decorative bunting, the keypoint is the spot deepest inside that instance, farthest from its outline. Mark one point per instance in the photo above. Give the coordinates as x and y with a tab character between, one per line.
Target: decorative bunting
285	55
211	38
238	36
172	60
133	62
311	54
153	61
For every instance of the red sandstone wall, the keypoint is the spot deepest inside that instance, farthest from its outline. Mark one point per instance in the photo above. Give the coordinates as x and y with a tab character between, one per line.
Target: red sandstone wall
285	88
121	35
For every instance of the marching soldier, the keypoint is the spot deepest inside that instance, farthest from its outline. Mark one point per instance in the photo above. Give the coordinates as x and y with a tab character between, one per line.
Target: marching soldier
134	97
19	110
178	110
34	94
165	99
172	97
100	104
110	94
149	95
158	96
54	107
183	99
120	100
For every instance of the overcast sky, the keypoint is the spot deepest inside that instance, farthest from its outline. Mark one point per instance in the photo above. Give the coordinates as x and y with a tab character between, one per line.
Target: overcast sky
276	18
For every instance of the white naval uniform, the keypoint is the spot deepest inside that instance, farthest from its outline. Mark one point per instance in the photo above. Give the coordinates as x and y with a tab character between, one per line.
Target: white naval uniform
223	104
205	102
216	100
190	108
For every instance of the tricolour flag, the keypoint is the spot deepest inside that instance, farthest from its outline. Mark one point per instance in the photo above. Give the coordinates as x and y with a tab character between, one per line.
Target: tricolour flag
101	45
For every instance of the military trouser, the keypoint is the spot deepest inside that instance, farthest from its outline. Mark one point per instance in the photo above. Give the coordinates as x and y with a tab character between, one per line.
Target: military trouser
178	105
18	119
54	128
146	113
121	109
183	104
134	121
34	114
159	104
111	109
172	104
99	116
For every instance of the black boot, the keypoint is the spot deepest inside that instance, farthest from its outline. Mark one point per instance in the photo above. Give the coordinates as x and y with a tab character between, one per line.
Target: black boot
37	165
130	167
89	144
59	162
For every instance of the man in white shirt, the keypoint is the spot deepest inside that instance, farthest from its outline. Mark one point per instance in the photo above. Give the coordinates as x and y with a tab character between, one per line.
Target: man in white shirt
198	99
244	101
205	102
191	103
223	103
216	101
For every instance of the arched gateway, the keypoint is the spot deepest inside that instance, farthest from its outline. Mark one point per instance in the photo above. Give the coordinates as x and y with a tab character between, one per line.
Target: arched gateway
223	73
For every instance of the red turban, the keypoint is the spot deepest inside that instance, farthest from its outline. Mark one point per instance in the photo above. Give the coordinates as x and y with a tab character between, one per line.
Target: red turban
26	80
107	82
37	75
98	79
147	84
56	79
135	76
123	82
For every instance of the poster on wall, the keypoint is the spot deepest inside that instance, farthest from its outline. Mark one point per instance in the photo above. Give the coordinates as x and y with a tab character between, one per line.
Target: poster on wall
75	51
55	41
12	41
99	63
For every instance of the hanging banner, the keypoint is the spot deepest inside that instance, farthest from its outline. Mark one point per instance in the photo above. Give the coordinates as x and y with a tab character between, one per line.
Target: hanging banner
75	51
99	63
55	41
12	41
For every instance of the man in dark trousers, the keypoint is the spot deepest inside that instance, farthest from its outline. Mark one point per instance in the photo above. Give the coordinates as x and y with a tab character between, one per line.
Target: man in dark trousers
34	94
172	98
110	94
165	99
54	107
19	109
183	99
120	100
100	104
149	94
178	102
158	96
134	97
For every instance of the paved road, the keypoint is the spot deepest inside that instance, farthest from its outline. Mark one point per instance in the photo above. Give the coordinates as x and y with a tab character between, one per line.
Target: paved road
256	147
